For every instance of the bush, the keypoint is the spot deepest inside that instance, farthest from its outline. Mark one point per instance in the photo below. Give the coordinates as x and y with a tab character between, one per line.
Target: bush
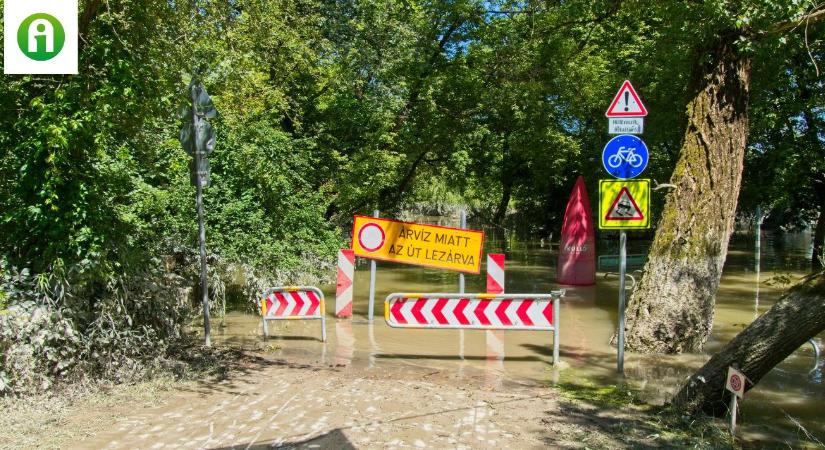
56	330
38	346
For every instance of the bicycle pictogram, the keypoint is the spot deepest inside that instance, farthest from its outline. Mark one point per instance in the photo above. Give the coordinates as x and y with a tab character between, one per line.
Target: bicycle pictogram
625	154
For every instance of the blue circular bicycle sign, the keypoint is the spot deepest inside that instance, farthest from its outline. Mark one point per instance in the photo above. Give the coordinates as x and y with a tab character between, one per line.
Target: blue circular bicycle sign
625	156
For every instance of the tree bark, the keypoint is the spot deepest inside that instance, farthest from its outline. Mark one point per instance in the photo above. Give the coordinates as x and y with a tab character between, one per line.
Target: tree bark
507	180
672	309
501	209
819	231
798	316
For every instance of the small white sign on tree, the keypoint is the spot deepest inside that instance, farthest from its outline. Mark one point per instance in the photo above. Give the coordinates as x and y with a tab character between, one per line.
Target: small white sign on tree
736	382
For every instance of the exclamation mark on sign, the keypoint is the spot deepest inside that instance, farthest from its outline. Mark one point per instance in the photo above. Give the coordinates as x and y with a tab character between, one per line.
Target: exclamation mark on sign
626	101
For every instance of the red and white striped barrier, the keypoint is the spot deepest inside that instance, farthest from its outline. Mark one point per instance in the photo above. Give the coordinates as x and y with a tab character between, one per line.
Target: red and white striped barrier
293	303
344	287
495	273
495	338
538	312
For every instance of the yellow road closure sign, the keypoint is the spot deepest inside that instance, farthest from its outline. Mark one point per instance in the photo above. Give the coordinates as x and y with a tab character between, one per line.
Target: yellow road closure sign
413	243
624	204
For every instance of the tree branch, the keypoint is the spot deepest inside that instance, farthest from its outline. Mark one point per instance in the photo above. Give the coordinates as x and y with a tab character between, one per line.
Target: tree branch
812	17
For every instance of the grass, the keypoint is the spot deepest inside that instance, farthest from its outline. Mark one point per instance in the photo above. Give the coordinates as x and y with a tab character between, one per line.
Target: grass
618	411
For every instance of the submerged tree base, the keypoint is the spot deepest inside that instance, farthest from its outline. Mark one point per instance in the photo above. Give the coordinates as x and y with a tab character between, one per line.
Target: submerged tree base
671	311
798	316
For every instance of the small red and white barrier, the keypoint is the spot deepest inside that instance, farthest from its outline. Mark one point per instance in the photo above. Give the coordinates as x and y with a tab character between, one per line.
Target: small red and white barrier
494	339
539	312
293	303
495	273
344	285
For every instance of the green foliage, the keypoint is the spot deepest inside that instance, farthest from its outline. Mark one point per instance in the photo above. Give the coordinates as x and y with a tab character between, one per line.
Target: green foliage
787	131
55	329
329	108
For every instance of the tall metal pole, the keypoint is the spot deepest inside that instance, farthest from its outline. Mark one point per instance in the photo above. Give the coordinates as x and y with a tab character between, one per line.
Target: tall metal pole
202	241
199	154
622	270
758	252
462	224
375	213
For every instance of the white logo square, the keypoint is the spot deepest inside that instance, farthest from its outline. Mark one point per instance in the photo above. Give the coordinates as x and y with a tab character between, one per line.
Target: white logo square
40	37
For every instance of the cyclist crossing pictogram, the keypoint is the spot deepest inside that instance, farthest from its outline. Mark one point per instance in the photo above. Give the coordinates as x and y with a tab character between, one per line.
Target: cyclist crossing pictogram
625	156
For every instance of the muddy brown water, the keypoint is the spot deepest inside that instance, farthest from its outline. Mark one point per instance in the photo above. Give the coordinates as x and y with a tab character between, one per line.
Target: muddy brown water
786	404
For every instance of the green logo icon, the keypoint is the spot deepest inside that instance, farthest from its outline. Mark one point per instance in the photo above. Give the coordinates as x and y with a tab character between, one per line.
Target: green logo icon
41	37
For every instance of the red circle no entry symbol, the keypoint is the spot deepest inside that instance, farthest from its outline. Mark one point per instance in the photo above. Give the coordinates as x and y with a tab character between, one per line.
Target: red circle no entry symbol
371	237
736	382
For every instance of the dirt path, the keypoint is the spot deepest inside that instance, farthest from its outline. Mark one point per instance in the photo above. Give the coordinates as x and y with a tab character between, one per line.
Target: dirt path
412	391
305	406
280	405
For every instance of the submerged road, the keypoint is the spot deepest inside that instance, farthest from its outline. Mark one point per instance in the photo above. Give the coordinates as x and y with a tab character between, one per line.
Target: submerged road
307	406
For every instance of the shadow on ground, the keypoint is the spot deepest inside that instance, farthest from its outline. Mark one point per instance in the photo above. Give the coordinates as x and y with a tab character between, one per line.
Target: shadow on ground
333	439
227	368
599	417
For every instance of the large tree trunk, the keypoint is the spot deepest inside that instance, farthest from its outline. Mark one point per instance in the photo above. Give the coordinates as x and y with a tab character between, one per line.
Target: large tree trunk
507	180
798	316
819	231
672	308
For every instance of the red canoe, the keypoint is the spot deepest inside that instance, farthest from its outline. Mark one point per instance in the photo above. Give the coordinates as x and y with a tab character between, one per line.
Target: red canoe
577	249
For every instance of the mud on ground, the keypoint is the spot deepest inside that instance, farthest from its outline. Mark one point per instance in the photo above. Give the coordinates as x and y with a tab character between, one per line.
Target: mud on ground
272	403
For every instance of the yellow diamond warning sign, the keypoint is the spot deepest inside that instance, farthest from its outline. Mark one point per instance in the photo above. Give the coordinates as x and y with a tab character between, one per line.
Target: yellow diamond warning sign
624	204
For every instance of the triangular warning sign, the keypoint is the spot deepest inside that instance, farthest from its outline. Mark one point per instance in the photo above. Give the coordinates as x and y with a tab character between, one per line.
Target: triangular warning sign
624	207
626	103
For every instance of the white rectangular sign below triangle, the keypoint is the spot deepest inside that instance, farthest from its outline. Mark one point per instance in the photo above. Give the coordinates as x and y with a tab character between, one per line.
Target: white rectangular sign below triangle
626	103
625	125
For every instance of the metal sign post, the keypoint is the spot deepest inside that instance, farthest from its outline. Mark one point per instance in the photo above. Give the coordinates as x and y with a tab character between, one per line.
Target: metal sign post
624	204
375	213
735	383
198	139
622	270
202	242
758	254
462	223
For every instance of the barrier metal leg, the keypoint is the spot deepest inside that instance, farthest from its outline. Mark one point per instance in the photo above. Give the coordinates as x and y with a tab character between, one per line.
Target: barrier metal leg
265	327
323	329
555	331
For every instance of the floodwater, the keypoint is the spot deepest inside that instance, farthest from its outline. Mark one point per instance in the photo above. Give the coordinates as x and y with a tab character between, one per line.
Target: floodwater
785	406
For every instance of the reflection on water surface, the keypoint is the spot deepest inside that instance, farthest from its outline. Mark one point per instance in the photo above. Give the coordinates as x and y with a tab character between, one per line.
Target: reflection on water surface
588	317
